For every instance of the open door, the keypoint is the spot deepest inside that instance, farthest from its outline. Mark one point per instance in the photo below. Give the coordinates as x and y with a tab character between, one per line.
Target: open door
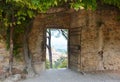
75	48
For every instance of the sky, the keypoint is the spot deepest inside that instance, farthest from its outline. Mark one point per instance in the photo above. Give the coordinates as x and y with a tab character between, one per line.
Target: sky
58	42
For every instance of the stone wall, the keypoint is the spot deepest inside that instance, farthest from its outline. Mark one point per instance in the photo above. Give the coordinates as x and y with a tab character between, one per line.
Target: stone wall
18	63
99	38
4	59
4	56
100	41
111	40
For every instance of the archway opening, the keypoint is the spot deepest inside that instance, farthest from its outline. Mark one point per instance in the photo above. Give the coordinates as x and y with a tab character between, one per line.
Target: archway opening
56	48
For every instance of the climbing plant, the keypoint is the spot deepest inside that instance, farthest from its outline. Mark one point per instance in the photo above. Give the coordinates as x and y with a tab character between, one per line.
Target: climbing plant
113	2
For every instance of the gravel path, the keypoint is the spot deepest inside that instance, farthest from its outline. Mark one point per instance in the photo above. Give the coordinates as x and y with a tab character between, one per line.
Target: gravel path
66	75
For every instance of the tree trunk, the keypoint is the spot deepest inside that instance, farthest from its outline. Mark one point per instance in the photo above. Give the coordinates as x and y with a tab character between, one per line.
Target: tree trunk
27	56
11	44
11	50
49	48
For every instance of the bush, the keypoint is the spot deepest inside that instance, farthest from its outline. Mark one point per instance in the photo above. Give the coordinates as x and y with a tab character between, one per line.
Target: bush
47	64
61	63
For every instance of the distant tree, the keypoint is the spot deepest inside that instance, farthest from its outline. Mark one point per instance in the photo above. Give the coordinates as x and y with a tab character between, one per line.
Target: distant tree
48	45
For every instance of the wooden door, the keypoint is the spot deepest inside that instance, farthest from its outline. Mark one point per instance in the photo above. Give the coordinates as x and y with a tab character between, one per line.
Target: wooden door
75	48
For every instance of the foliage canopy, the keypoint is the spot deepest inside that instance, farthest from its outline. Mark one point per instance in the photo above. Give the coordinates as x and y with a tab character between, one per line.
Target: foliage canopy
24	9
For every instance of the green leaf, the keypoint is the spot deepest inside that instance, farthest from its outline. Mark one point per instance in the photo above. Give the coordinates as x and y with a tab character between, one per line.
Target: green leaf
18	22
55	2
30	13
65	0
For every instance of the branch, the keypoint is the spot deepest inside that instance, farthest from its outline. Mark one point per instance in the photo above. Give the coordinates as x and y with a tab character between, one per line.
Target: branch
64	34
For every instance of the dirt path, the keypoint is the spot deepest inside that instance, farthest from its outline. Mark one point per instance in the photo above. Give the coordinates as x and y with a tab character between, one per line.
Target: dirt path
66	75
